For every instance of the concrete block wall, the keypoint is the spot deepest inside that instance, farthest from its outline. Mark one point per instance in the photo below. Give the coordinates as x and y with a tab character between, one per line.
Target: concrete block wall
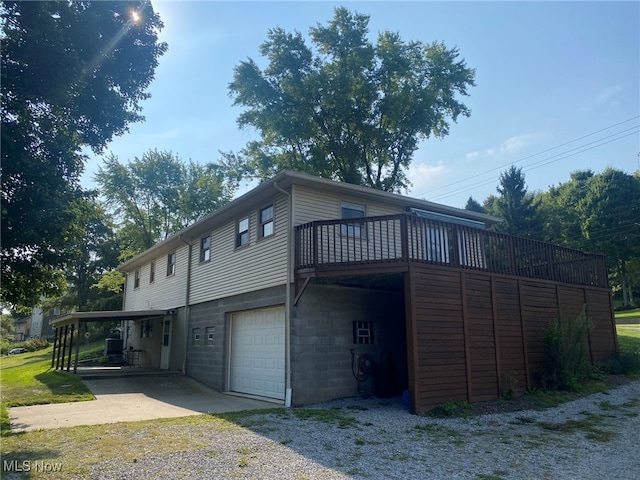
322	339
208	364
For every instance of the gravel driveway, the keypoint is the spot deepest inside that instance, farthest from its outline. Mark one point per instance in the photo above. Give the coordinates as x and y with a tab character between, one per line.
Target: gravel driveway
596	437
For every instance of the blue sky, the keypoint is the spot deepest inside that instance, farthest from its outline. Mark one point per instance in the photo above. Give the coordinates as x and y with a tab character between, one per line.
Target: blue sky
557	86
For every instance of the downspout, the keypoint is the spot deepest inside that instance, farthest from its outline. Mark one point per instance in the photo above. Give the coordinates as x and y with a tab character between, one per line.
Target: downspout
186	305
287	308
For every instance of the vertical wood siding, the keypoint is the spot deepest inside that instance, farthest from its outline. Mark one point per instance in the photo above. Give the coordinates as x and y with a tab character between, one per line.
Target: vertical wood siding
479	334
232	271
165	292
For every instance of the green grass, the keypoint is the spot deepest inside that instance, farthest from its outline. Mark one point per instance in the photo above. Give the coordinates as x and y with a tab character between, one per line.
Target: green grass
27	379
629	338
628	315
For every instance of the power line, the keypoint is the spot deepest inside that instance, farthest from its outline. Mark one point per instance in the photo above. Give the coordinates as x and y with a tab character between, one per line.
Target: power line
535	154
540	163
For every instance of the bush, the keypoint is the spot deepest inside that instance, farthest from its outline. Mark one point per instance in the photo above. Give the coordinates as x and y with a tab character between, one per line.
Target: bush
453	408
31	345
567	353
623	363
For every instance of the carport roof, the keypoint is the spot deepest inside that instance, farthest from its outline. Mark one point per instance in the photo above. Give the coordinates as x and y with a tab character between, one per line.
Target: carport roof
107	316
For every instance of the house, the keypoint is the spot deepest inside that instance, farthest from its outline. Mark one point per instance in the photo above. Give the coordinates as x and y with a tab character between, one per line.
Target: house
304	290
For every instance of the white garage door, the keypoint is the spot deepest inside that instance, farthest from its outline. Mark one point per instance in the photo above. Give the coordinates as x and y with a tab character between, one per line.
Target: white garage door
257	353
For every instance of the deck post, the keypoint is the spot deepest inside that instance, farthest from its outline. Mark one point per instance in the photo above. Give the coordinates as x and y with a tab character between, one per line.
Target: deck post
70	347
55	344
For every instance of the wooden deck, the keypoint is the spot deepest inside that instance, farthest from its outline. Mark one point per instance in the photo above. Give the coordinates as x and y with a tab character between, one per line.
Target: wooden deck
477	302
388	242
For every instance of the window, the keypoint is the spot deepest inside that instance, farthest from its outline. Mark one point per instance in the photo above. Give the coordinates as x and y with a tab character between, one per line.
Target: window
355	229
196	336
56	310
242	237
437	243
211	336
136	279
266	221
363	333
152	272
171	264
205	248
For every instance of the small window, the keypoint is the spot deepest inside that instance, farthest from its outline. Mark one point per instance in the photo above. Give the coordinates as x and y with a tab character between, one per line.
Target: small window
56	310
171	264
152	272
211	336
196	336
242	238
355	229
363	333
266	221
205	248
136	279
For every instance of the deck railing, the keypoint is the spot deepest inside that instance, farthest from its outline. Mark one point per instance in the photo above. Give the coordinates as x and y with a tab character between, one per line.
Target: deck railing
405	238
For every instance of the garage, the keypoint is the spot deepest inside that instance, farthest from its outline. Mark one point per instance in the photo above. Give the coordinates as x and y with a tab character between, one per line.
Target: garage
256	354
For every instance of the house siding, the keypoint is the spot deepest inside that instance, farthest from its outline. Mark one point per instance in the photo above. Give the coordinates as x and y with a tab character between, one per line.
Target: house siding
232	271
165	292
310	205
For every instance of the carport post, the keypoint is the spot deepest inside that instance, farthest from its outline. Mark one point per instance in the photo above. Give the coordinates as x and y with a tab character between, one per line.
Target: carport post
73	327
64	348
55	343
75	365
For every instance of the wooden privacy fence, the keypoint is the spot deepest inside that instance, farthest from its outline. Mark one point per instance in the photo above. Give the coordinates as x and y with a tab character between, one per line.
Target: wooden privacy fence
404	238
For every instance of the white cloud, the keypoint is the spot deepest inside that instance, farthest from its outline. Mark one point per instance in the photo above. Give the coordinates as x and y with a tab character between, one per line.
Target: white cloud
510	146
423	176
606	97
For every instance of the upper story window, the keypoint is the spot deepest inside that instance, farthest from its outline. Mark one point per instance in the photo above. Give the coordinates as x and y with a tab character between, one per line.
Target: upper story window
205	248
136	279
171	264
355	229
152	272
242	236
266	221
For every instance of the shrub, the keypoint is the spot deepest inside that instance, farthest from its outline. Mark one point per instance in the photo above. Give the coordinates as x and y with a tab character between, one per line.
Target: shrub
453	408
567	353
31	345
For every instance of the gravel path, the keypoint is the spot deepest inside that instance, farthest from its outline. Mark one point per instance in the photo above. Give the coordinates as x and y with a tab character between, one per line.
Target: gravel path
596	437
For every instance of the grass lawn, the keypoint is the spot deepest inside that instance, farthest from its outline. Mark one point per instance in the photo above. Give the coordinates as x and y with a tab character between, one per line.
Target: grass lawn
27	379
629	338
628	316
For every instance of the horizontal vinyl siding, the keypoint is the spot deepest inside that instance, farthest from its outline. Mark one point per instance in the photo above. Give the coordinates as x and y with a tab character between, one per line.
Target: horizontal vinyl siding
165	292
310	205
261	264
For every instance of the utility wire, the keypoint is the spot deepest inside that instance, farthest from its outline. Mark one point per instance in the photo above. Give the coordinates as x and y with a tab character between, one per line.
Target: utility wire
540	163
539	153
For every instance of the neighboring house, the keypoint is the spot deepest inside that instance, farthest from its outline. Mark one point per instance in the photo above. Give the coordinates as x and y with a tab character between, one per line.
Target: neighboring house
291	291
22	329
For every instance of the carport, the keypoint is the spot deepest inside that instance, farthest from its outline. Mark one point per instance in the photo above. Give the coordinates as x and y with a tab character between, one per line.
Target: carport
66	325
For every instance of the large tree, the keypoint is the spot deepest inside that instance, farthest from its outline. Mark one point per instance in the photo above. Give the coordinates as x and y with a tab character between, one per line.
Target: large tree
73	76
158	194
515	205
350	110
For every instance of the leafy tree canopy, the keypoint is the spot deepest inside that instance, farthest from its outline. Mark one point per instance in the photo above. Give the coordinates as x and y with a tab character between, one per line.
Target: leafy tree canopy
157	195
73	75
348	110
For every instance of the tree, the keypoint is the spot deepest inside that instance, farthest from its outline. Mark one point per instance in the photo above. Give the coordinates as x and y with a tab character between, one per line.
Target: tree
561	220
474	206
611	211
351	110
157	195
514	205
73	75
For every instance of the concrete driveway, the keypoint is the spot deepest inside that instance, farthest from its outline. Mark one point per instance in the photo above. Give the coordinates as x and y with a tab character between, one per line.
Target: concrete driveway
132	398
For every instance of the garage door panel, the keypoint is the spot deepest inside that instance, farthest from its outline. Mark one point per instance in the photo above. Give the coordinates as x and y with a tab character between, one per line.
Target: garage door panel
257	353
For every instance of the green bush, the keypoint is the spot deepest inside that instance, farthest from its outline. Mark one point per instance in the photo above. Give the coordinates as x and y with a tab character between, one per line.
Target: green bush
453	408
29	345
567	353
